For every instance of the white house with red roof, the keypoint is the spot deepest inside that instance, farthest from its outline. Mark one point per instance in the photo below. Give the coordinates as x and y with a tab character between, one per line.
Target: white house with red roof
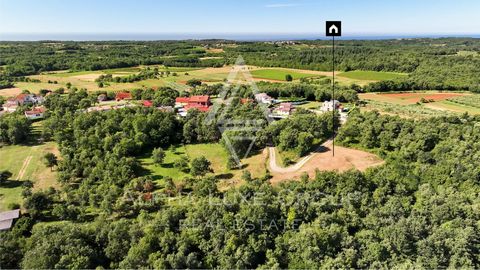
35	113
184	104
283	110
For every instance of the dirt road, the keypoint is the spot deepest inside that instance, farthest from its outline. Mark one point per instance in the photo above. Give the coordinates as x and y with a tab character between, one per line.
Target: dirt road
25	164
277	169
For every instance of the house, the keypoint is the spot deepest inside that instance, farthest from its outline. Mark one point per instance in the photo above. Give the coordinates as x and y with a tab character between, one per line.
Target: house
264	98
329	106
183	104
24	99
147	103
9	107
123	96
35	113
102	97
7	217
283	110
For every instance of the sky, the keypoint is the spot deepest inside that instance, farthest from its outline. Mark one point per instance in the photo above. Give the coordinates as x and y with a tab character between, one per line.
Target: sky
359	17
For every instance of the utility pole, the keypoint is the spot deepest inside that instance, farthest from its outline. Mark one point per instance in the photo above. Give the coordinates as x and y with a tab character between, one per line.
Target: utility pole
333	29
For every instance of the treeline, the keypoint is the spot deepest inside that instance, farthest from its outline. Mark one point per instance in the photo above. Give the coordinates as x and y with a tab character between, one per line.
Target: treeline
310	91
27	58
431	63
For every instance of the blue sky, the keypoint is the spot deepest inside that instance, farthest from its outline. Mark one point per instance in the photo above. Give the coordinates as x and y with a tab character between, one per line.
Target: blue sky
361	17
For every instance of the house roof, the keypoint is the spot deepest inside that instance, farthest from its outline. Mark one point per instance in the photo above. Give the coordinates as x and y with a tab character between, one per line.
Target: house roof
7	217
36	110
199	98
147	103
9	214
182	99
285	107
262	95
21	96
123	95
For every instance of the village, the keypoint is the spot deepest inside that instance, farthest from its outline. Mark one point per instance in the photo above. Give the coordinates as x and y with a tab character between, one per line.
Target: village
277	109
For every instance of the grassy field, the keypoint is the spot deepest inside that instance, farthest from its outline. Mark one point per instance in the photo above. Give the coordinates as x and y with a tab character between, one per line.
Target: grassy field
25	162
279	74
215	153
371	75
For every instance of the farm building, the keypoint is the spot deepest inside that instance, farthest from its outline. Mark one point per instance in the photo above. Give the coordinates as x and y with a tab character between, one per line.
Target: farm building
35	113
7	217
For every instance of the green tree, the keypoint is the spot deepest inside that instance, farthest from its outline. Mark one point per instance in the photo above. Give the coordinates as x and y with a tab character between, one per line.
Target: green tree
158	155
200	166
50	160
288	78
4	176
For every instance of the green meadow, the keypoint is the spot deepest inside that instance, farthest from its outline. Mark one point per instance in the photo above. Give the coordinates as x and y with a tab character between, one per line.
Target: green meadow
371	75
279	74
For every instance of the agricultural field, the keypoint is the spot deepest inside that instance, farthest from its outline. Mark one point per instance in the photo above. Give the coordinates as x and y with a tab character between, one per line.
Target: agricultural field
371	75
279	74
422	104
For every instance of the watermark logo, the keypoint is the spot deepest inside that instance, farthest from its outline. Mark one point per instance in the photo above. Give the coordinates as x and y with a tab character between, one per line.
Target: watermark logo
234	129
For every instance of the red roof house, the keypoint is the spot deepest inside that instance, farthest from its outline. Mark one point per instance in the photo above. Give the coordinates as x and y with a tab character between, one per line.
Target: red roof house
123	96
201	103
147	103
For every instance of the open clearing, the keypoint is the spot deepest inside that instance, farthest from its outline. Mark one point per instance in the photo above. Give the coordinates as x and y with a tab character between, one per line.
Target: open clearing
214	152
371	75
410	97
345	159
279	74
439	101
25	162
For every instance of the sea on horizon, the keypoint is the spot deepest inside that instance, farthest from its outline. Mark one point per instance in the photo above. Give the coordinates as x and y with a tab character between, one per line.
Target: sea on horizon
200	36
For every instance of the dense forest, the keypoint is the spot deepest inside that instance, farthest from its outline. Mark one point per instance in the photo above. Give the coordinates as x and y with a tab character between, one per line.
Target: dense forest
418	210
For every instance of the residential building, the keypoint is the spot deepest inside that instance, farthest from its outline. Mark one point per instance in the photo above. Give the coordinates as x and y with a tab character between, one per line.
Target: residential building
183	104
7	217
102	97
283	110
24	99
264	98
35	113
329	106
123	96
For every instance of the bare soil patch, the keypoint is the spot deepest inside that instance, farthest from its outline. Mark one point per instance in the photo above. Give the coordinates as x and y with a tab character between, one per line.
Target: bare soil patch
10	92
345	159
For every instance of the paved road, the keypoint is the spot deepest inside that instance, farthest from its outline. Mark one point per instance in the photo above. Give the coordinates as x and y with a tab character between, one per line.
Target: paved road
277	169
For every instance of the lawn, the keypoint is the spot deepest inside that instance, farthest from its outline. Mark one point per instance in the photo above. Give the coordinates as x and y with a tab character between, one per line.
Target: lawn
25	160
214	152
371	75
279	74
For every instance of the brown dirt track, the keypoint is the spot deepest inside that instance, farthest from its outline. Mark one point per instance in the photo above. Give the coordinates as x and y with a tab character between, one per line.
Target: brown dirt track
345	159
